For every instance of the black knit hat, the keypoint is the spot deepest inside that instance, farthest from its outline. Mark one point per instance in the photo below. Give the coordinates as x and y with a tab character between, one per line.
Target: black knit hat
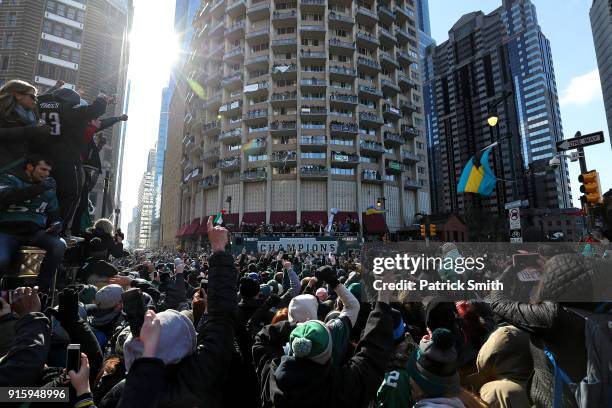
433	366
248	288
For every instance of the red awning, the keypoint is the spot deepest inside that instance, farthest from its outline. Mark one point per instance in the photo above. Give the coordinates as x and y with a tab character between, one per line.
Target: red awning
181	230
231	219
288	217
254	217
193	227
202	228
314	216
374	223
343	215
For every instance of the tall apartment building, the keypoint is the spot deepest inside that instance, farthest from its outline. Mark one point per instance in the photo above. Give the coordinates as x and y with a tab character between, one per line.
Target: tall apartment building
308	106
85	44
146	204
601	24
484	56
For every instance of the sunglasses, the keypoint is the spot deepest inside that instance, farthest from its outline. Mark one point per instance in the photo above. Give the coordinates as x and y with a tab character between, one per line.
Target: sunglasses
33	96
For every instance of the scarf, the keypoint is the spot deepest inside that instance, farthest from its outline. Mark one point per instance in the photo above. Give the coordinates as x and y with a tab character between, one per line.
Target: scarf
26	115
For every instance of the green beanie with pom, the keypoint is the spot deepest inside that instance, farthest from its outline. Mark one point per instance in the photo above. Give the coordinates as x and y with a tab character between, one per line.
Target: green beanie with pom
311	340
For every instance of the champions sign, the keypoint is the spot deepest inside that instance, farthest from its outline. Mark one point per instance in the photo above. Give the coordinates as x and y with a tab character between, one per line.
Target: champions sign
302	244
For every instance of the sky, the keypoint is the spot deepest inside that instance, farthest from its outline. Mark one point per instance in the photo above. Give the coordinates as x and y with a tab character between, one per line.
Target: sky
153	48
567	25
565	22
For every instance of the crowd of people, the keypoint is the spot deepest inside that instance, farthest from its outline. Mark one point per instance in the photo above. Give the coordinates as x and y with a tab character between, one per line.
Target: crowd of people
350	225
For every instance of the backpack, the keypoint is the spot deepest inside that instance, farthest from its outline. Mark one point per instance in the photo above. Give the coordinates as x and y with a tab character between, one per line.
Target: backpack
594	390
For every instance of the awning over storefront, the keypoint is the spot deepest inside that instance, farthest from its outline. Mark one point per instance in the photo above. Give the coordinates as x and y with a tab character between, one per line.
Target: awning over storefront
288	217
202	228
181	230
314	216
374	223
343	215
192	228
254	217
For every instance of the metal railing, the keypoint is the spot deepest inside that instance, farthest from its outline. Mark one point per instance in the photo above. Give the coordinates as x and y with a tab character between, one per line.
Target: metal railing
339	43
316	171
279	15
337	69
371	117
341	17
348	98
369	62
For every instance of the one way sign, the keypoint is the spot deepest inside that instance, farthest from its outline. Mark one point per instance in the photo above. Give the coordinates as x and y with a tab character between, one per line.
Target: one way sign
580	141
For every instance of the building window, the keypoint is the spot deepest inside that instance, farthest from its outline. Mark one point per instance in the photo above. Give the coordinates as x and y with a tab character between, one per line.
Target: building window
7	41
11	19
4	65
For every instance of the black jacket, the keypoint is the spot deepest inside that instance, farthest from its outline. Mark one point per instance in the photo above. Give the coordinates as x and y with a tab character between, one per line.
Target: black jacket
68	124
197	379
23	365
104	250
553	326
143	384
15	139
291	382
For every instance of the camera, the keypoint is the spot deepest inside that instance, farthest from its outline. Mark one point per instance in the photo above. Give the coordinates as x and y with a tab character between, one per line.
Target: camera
554	162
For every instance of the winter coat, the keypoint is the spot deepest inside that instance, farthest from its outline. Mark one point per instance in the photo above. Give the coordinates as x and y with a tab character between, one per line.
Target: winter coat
297	382
107	248
24	363
548	323
15	139
144	383
198	378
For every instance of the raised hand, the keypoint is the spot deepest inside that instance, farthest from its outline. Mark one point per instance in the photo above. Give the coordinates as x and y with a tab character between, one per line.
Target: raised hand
218	236
25	301
149	334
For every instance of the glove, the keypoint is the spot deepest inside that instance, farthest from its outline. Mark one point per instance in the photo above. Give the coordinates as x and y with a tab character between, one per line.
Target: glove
124	117
49	184
327	274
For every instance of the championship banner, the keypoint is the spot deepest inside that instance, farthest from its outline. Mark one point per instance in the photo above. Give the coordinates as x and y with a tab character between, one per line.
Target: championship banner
298	244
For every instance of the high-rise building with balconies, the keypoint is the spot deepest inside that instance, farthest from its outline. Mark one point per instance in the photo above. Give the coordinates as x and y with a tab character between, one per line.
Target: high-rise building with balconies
85	44
601	25
306	106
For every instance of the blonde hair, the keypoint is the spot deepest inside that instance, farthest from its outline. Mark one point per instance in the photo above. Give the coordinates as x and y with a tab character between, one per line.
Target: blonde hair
7	99
105	225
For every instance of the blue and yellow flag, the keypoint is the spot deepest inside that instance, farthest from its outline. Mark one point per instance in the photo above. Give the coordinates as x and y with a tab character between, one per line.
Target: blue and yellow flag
372	209
477	176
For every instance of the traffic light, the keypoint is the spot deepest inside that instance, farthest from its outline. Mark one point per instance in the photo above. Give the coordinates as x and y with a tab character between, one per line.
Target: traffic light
423	233
590	188
432	230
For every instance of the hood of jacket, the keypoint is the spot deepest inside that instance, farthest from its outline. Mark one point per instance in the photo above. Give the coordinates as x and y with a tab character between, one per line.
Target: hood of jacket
454	402
299	379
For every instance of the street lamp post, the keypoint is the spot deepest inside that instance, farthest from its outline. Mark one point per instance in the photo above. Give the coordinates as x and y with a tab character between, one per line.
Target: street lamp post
228	200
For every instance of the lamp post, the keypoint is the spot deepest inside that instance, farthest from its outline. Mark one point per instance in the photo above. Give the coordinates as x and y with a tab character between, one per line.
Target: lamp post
228	200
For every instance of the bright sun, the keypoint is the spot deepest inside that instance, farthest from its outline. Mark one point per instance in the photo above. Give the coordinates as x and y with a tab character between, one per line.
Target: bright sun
153	52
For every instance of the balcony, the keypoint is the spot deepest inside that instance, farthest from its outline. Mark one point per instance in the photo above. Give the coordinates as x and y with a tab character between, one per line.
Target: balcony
393	139
283	157
213	102
372	147
284	16
385	14
312	5
393	166
284	70
410	131
313	112
410	157
261	61
230	136
342	72
341	47
283	128
367	40
256	145
210	156
258	35
216	30
212	128
344	159
337	20
235	8
284	45
404	58
386	38
402	36
253	175
368	65
411	184
389	87
258	88
231	163
231	108
280	99
390	112
235	31
370	119
310	56
409	107
216	52
210	182
405	82
365	16
235	55
371	176
402	14
369	91
314	141
342	128
259	11
217	7
255	116
316	30
313	83
232	81
313	172
387	61
349	100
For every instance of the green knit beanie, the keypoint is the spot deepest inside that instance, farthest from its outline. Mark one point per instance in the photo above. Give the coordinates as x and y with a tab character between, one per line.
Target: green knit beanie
311	340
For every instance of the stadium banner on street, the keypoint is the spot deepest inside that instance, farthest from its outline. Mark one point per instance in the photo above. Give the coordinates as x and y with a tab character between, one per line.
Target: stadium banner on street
319	245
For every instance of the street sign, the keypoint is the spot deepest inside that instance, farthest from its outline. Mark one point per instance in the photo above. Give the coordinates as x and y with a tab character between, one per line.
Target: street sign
514	216
516	236
516	204
580	141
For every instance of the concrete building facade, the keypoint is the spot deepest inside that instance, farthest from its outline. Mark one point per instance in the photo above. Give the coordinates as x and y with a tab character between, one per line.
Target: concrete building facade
301	107
601	24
